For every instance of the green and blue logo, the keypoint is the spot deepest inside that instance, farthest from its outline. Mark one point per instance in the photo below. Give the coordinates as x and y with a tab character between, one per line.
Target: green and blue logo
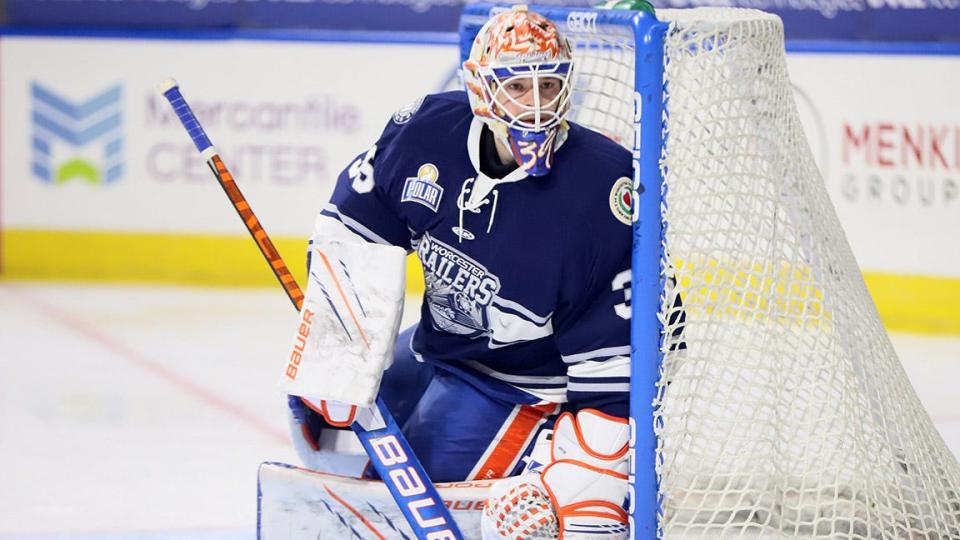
74	140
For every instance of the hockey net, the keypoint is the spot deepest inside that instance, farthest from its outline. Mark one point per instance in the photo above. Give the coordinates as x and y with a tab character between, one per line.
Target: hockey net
788	413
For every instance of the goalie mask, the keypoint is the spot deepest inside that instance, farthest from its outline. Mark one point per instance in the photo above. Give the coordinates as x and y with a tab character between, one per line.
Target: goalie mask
518	82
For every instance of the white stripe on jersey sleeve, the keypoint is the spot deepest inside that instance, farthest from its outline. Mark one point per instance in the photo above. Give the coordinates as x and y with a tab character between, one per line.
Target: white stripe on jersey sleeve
559	380
356	226
598	387
508	328
549	389
597	353
618	366
540	320
611	375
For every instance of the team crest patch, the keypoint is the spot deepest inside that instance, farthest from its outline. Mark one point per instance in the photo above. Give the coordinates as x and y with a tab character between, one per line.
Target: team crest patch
423	188
459	289
621	200
406	112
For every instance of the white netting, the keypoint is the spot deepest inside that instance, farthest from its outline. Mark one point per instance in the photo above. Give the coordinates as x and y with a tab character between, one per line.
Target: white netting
603	82
788	413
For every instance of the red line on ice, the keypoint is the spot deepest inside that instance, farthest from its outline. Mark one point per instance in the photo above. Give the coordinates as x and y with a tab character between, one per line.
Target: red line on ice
132	356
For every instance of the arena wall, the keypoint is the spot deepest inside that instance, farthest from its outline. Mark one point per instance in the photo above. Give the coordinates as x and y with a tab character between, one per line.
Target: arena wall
99	182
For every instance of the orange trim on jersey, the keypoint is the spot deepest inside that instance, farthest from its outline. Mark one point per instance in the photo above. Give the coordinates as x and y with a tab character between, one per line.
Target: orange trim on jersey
356	513
513	441
343	296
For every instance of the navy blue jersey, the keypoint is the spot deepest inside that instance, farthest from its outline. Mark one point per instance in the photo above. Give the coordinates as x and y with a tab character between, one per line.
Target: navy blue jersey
527	278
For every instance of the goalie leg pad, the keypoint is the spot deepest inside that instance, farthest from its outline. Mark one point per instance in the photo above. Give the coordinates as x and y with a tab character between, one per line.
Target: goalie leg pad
593	438
587	479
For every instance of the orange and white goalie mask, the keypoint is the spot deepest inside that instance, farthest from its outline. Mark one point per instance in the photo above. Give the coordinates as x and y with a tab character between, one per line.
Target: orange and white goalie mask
518	81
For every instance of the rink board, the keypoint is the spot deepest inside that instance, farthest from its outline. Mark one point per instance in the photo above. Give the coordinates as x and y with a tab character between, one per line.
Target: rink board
133	202
300	504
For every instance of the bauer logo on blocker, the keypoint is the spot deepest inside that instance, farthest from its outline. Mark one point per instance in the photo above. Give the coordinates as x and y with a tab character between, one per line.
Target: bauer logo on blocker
76	137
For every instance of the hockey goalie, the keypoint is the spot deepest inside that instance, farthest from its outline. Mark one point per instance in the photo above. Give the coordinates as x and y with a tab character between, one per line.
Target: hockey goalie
518	369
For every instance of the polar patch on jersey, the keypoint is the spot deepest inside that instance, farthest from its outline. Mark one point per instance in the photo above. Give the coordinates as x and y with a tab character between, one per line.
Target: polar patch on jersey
621	200
405	113
423	188
459	289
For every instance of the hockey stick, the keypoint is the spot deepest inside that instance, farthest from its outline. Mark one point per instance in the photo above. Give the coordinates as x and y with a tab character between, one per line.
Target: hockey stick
385	445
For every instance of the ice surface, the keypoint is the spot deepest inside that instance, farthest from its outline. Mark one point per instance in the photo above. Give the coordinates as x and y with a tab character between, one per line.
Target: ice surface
143	412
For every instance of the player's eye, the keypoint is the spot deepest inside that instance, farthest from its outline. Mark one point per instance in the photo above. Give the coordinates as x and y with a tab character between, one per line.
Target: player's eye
516	88
550	88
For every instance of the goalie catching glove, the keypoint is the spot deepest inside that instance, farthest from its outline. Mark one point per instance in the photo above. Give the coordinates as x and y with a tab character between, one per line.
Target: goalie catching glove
578	495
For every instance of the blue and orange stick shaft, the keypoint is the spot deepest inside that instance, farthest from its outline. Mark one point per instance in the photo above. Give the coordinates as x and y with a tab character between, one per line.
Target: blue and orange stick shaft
209	152
388	449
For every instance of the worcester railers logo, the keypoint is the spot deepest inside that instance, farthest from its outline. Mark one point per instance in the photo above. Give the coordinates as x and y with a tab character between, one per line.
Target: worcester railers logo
459	289
77	139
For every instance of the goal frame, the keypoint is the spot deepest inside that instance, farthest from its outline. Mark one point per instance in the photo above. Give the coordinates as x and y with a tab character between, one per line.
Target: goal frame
648	275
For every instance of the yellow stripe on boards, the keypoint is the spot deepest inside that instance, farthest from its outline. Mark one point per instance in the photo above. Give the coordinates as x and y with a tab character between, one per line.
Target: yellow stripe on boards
921	304
232	261
906	303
